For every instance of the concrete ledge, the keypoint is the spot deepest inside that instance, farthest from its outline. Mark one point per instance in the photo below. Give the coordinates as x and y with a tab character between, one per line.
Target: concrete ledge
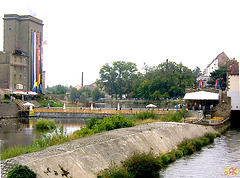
87	156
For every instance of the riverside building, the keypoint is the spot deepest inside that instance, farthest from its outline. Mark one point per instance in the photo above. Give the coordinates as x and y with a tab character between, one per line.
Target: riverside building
21	61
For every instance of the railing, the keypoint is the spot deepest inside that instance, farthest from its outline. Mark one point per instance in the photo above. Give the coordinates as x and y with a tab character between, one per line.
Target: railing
20	104
98	111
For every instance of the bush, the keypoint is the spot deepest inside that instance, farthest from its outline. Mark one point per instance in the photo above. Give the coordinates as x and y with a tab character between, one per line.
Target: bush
115	172
146	115
106	124
44	124
174	117
21	172
142	164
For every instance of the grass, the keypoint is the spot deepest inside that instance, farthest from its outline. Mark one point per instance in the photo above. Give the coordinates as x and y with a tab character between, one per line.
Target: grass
93	126
44	124
47	140
149	165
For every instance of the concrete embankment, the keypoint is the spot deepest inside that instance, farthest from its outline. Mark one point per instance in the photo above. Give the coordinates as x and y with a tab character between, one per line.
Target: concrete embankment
87	156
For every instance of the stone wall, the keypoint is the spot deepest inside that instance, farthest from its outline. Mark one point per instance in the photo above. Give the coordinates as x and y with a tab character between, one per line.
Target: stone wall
87	156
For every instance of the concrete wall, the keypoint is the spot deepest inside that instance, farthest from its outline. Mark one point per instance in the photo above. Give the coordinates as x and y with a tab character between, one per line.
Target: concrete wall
87	156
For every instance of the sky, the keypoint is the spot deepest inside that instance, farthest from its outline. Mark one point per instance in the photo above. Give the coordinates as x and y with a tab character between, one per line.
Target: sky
83	35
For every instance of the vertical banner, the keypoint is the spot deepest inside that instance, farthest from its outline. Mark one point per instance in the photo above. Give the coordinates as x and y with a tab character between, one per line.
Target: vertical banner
38	60
32	64
35	60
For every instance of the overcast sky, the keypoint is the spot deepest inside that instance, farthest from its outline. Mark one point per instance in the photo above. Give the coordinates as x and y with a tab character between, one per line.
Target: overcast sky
83	35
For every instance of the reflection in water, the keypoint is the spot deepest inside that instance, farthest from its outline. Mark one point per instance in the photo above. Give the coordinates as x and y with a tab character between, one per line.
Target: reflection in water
14	132
211	161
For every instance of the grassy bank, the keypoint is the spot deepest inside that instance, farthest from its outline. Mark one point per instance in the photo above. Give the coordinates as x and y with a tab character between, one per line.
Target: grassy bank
93	126
149	165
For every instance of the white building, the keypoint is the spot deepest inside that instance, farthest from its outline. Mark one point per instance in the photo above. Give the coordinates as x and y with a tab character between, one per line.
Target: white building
221	59
233	84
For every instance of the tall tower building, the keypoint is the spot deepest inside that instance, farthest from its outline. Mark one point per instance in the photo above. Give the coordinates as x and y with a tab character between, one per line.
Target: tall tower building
21	60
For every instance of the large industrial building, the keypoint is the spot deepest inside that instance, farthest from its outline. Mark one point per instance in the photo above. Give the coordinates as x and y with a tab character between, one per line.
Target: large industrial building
21	61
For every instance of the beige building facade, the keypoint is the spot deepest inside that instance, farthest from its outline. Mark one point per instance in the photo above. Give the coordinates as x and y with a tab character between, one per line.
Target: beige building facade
21	62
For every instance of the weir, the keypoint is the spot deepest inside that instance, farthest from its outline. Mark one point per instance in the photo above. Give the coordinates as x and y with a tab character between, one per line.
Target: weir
87	156
88	113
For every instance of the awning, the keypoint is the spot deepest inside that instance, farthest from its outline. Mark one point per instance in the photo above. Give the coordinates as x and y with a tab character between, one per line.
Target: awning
201	95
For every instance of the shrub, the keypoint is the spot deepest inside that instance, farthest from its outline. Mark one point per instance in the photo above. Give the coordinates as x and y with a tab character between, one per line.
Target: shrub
174	117
44	124
115	172
146	115
142	164
21	172
106	124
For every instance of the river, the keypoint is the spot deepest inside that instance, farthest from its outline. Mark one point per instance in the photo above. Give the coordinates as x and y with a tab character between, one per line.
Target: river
210	161
21	131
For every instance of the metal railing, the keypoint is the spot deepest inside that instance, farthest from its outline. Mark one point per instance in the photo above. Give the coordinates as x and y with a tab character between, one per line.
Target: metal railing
98	111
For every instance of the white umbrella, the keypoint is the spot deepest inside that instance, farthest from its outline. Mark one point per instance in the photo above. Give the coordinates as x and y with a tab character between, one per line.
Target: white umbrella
31	93
151	106
28	104
18	92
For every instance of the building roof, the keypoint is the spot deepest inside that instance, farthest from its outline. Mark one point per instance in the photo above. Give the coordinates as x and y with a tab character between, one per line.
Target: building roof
233	68
201	95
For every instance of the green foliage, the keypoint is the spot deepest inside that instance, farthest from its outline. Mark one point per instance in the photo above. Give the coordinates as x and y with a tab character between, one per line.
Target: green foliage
106	124
149	165
47	140
115	172
138	165
44	101
81	95
58	89
142	164
219	74
44	124
21	172
96	94
117	79
174	117
167	80
145	115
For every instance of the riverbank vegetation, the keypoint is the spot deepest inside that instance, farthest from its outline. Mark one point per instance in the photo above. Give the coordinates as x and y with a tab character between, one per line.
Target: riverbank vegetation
149	164
92	127
44	124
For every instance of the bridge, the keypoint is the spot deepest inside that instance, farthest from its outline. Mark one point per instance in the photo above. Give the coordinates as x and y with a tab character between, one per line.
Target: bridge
87	112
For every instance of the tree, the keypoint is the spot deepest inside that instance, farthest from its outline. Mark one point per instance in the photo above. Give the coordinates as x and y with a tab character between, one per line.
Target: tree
168	79
219	74
117	79
197	72
96	94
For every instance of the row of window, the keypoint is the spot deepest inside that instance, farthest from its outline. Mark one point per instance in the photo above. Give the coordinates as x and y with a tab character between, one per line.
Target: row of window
20	59
21	68
20	77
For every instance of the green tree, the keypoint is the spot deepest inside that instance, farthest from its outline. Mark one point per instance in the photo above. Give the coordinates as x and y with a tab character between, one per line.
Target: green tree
197	72
57	89
117	79
96	94
168	79
220	75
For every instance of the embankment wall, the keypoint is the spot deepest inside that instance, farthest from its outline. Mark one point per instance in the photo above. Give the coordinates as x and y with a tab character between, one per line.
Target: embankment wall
87	156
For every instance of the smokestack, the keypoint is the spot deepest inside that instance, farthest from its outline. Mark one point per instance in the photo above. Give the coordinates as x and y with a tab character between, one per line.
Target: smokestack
82	79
